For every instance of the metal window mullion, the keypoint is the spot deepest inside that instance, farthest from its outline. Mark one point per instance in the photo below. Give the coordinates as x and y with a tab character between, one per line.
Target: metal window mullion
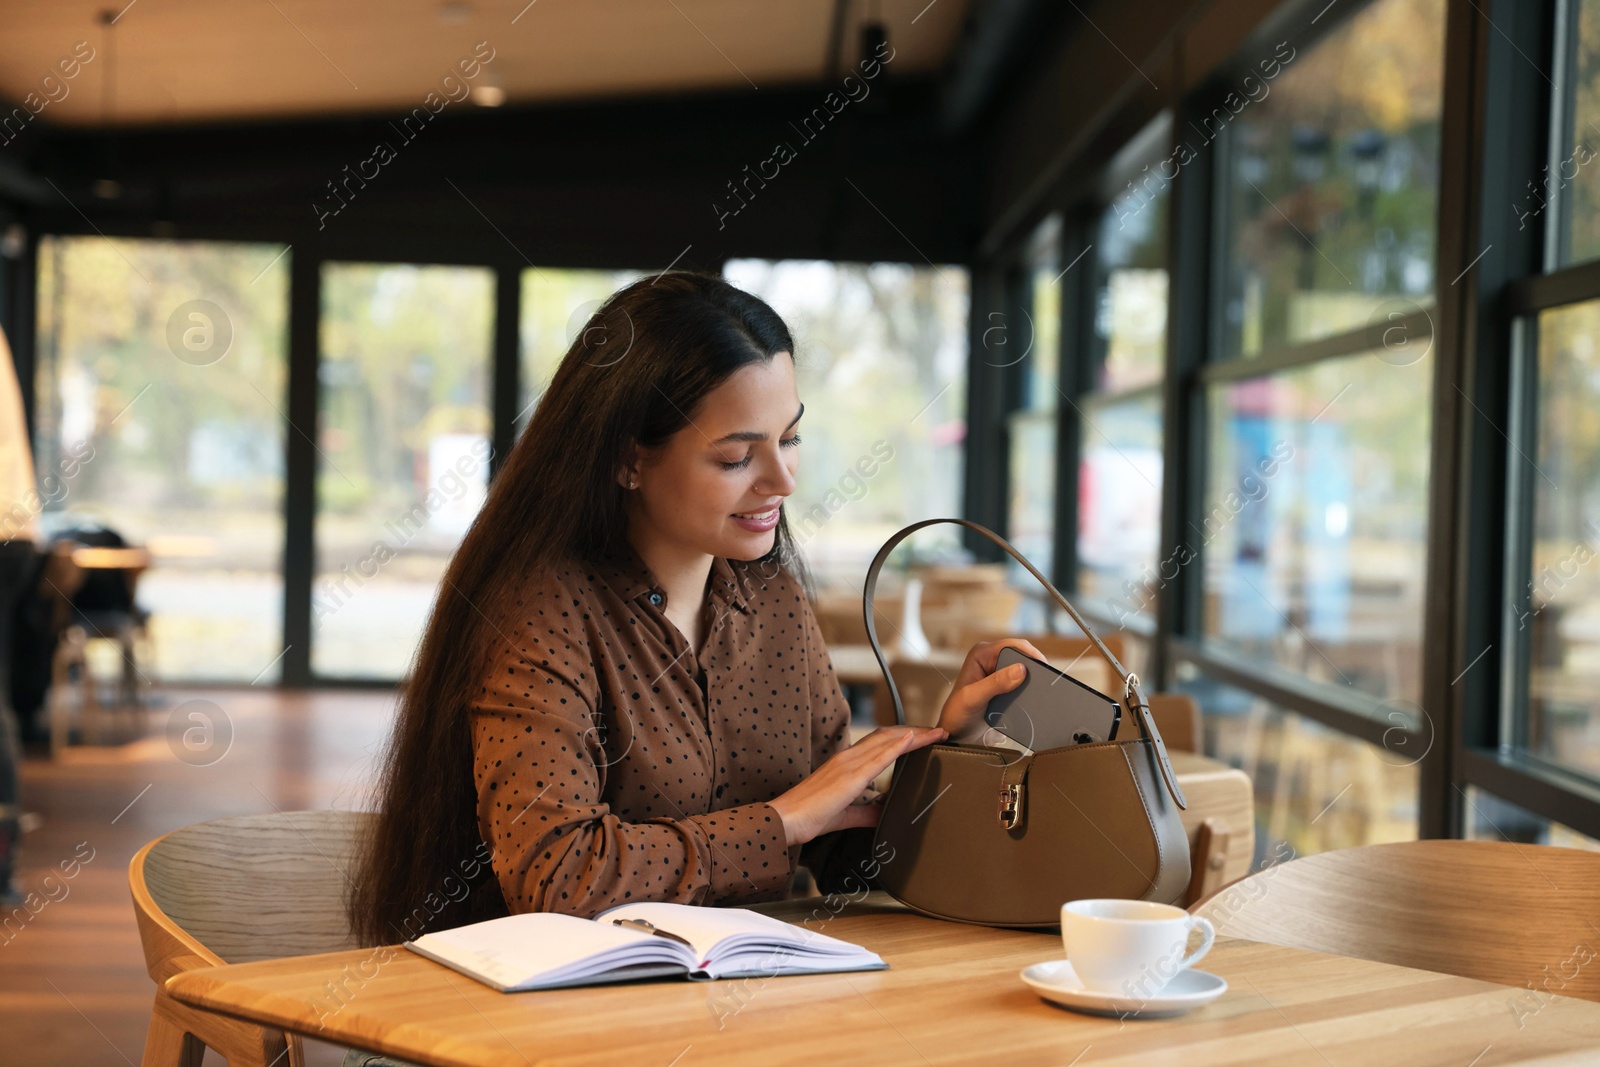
1096	400
1563	105
1193	332
300	464
1075	331
1545	791
1419	323
1539	292
1328	705
1512	727
1494	137
505	373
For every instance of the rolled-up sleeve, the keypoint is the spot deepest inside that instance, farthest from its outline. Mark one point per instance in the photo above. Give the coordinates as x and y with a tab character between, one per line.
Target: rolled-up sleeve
540	766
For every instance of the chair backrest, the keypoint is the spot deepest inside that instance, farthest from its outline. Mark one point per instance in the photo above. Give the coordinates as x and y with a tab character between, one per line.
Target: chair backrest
923	689
1177	716
964	574
1496	911
842	620
951	608
251	887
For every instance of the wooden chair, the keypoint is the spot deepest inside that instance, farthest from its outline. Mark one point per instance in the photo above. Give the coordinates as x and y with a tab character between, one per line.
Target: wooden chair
955	603
252	887
923	688
842	621
1500	912
964	575
1177	716
74	689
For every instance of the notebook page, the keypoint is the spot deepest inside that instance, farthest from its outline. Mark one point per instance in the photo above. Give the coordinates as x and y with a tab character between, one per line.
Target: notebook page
706	927
516	948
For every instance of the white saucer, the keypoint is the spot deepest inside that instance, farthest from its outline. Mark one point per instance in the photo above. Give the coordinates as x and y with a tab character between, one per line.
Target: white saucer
1054	980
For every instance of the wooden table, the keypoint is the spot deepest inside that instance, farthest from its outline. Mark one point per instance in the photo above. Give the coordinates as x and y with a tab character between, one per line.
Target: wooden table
952	994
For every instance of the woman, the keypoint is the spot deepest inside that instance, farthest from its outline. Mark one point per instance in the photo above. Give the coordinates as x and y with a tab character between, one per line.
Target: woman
622	693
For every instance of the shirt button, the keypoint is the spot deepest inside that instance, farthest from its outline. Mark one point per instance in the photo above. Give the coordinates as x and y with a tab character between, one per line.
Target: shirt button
655	598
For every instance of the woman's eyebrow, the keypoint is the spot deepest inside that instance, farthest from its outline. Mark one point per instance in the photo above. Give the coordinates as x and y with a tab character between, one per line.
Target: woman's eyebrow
757	435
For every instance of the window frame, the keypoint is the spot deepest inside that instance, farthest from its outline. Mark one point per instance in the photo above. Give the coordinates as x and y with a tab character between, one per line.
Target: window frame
1204	367
1515	279
1155	134
1495	132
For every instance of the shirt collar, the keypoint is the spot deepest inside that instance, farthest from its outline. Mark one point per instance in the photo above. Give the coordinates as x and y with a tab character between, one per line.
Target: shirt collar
630	578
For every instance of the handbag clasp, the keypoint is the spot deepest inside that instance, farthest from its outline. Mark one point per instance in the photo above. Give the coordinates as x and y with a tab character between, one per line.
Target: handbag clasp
1010	805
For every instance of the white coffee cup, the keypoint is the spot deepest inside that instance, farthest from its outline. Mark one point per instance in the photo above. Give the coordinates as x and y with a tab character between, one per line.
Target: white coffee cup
1130	947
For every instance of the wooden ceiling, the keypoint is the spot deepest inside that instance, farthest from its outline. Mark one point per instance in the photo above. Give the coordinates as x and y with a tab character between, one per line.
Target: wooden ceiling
187	61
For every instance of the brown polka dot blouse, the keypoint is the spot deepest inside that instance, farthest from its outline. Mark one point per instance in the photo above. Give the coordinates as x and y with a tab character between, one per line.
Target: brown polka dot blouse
613	764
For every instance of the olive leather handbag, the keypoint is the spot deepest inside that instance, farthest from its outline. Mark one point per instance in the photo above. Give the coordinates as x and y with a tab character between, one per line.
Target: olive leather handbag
993	836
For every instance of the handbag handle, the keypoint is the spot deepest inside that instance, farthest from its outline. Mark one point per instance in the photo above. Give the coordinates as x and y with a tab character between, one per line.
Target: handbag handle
1133	698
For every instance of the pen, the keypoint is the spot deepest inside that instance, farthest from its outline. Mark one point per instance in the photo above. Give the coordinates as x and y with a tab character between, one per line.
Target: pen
650	928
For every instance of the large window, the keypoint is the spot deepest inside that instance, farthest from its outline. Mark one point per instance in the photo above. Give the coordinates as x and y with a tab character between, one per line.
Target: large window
1031	519
1314	788
1331	185
1119	417
556	304
1314	522
1554	617
404	448
1304	548
1330	378
1536	757
164	408
882	366
160	397
1569	182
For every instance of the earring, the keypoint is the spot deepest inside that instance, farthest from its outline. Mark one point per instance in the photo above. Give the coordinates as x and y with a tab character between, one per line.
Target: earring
632	483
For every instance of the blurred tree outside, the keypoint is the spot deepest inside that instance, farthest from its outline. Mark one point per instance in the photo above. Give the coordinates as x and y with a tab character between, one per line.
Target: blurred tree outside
1582	192
186	438
881	357
1558	608
555	306
1333	180
406	352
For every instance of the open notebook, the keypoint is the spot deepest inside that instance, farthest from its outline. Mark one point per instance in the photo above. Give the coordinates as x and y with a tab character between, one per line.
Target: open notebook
545	950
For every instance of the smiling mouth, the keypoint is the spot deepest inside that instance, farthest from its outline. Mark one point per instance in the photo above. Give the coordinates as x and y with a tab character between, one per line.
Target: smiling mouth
758	516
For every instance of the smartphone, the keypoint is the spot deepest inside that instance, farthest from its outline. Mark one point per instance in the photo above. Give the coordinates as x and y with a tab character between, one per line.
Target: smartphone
1050	709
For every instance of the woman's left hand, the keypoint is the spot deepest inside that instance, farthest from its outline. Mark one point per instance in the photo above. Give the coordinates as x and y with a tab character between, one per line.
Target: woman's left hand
978	683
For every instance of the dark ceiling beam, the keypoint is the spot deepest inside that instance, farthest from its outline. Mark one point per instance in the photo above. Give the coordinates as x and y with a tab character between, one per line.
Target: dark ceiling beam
19	185
627	183
994	35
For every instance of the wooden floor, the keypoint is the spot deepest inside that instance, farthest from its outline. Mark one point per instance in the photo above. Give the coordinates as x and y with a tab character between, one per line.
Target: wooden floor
73	987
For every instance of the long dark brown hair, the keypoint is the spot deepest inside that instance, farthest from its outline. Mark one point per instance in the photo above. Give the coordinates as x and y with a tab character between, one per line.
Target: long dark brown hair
634	376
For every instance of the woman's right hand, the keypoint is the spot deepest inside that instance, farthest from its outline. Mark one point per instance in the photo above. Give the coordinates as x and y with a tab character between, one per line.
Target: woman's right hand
827	799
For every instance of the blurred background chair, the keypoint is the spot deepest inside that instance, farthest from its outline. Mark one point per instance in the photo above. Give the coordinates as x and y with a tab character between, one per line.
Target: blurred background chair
923	689
252	887
843	621
84	595
1177	716
957	598
1491	910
